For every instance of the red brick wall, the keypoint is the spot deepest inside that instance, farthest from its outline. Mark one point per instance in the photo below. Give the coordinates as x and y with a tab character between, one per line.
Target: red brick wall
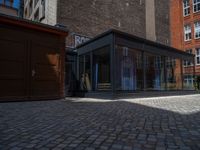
177	22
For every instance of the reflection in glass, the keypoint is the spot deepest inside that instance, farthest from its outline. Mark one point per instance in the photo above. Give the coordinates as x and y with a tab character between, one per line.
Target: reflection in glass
154	72
173	73
129	72
101	69
84	72
188	75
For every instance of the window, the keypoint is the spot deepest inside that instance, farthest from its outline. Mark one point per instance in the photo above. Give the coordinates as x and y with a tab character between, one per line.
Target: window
187	32
186	62
139	60
36	1
158	62
85	72
196	5
101	70
170	62
30	7
36	16
188	81
26	13
8	3
43	9
186	7
197	29
198	56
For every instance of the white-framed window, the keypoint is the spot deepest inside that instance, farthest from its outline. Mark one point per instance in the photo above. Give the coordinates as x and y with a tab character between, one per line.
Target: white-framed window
186	7
196	5
188	81
198	56
187	32
35	2
187	63
43	3
197	30
36	16
30	7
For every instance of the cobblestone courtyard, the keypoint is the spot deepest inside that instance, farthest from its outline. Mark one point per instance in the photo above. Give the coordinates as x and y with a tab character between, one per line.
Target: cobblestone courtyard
151	123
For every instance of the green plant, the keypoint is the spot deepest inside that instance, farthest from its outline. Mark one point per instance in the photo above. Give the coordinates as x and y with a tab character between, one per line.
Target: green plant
197	82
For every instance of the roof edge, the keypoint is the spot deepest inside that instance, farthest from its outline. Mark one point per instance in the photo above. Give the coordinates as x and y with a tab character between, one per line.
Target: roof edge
143	40
32	25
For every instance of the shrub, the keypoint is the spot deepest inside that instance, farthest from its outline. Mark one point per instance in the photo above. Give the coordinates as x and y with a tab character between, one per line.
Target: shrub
197	82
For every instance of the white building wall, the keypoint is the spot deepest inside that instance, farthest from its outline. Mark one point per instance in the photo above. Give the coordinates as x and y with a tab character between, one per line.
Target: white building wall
50	11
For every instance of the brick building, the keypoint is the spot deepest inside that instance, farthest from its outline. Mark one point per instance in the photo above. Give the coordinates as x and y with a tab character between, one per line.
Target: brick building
44	11
185	32
144	18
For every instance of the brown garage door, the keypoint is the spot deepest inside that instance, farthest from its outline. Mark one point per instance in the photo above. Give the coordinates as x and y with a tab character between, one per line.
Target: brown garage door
45	75
28	70
13	66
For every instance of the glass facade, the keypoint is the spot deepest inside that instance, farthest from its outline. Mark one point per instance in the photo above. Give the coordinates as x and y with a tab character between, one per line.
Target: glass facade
71	80
188	75
94	70
129	72
118	66
85	72
154	72
101	69
174	74
134	71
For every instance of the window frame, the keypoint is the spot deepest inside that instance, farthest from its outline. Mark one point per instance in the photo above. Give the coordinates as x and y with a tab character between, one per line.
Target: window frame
195	4
187	63
196	37
187	33
186	9
36	15
187	79
197	56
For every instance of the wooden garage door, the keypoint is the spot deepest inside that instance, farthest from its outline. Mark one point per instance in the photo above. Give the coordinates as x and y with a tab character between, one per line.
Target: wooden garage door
28	70
13	67
45	75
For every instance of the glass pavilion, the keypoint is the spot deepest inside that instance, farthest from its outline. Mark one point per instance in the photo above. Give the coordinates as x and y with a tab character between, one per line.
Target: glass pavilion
119	62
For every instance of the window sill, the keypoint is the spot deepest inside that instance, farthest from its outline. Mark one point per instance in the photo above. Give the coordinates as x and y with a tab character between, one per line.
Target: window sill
197	39
196	13
188	41
188	66
186	17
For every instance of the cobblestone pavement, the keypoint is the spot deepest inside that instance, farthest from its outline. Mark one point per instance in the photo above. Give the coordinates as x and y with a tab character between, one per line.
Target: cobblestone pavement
87	124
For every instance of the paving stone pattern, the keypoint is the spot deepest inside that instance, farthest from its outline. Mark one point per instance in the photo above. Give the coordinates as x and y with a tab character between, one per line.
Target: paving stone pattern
88	124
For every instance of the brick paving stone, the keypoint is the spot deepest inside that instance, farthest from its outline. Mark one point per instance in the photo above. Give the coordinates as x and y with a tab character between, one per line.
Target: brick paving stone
159	123
127	148
116	146
89	148
16	148
44	148
160	148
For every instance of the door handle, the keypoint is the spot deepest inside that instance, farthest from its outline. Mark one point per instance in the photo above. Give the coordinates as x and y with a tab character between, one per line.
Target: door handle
33	73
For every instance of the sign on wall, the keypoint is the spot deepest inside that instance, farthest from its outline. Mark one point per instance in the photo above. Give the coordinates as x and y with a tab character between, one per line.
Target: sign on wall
80	39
